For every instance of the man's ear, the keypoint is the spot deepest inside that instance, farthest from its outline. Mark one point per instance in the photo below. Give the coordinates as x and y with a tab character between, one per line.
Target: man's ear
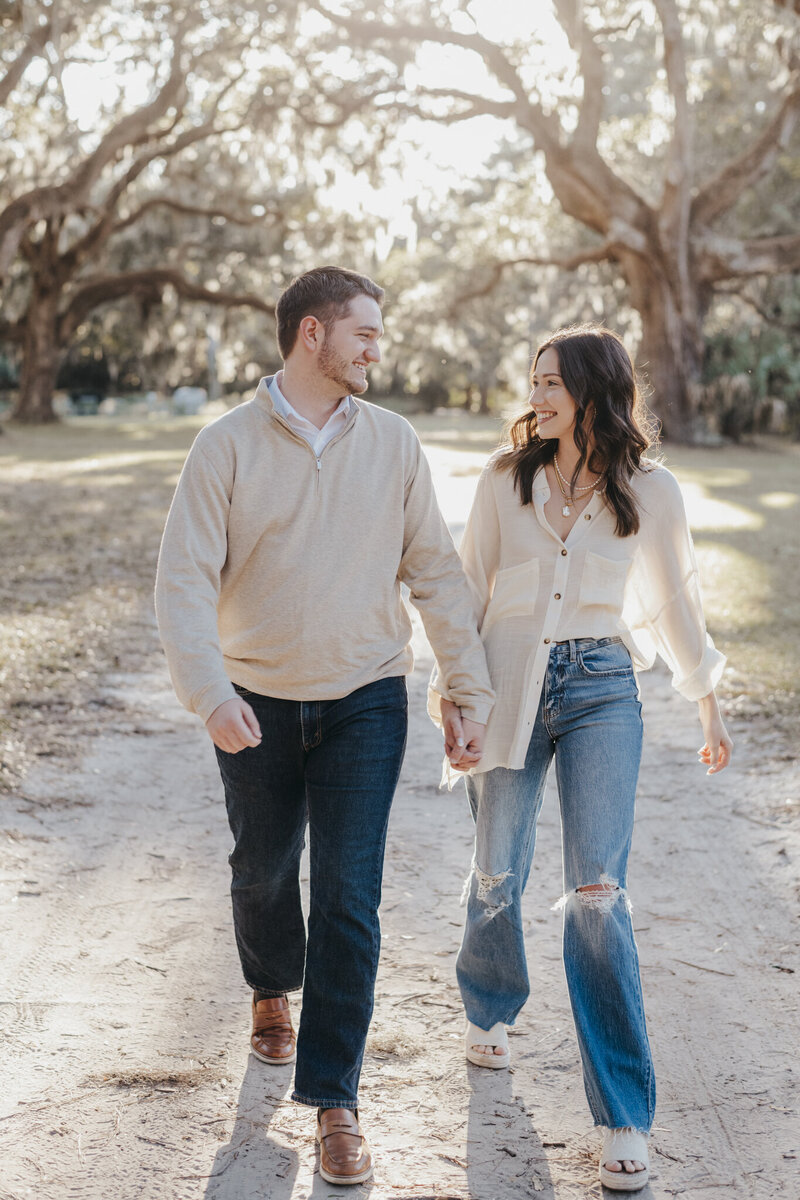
311	333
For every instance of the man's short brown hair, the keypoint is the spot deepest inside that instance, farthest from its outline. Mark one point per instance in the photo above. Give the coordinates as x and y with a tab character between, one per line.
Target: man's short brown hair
324	293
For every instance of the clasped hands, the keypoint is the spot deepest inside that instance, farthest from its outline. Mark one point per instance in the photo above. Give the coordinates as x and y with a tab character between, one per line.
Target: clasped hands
463	738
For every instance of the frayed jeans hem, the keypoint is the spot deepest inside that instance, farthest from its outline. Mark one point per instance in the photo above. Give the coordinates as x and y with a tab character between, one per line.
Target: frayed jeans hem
632	1128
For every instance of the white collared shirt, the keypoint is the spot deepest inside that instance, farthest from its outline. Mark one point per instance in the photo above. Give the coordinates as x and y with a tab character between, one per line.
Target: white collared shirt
316	438
532	589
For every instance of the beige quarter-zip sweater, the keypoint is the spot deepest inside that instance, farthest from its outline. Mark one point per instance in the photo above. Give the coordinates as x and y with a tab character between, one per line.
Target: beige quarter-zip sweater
280	570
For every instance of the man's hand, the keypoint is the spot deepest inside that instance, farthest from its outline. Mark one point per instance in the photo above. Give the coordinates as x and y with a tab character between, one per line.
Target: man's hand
233	725
463	738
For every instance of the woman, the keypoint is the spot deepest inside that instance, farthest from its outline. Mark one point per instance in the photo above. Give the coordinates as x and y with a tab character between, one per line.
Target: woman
580	559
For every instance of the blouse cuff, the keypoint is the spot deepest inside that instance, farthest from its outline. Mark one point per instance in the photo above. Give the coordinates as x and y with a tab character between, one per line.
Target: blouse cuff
473	709
705	676
435	698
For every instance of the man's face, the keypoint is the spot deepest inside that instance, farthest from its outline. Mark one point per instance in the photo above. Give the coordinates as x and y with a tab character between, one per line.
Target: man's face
351	344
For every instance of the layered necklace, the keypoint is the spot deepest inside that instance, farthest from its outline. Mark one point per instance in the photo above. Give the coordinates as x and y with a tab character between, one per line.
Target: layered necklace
574	494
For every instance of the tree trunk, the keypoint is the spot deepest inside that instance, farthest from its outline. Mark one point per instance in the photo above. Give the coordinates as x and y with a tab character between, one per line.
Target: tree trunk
483	405
671	350
40	360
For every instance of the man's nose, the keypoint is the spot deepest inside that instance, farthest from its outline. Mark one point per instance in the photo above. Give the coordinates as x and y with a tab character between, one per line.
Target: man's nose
373	353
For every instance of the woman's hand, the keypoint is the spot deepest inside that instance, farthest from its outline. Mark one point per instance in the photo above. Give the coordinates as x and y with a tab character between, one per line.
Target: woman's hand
463	739
716	753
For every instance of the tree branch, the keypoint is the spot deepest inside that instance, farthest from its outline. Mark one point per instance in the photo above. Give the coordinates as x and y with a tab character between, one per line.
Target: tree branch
675	211
771	319
730	258
567	262
679	156
585	185
49	201
581	39
722	192
32	49
150	285
347	103
102	230
194	210
480	106
369	31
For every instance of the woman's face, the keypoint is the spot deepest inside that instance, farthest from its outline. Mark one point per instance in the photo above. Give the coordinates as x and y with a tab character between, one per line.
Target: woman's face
554	406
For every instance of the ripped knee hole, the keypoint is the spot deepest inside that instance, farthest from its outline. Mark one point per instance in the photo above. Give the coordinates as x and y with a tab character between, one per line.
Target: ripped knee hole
601	896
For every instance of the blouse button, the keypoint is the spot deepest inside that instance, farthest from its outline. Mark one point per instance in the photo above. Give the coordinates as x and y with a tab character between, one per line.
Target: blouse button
547	641
588	517
563	554
557	596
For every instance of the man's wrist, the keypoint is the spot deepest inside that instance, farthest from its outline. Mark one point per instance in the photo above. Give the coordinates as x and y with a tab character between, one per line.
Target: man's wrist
479	715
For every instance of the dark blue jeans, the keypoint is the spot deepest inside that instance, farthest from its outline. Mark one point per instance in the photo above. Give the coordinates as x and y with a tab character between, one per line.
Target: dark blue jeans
333	766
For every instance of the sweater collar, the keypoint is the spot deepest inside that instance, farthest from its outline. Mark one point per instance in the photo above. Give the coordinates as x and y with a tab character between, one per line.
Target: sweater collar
263	398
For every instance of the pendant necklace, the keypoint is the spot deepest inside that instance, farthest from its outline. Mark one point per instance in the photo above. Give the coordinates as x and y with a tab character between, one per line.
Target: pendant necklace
574	493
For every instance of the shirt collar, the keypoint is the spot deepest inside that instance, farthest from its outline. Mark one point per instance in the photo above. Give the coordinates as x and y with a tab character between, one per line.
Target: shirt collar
540	485
285	409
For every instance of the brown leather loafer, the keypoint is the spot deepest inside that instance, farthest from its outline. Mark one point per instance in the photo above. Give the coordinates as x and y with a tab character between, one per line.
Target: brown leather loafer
273	1039
344	1155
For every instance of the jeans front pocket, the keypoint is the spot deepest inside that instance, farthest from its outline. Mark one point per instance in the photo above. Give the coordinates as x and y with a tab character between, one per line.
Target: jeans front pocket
604	658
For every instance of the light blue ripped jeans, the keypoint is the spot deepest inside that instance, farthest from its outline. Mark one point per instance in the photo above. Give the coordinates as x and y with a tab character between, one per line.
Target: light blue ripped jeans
589	719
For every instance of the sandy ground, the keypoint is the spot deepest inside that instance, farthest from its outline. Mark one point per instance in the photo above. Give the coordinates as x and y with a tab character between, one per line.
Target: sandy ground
124	1062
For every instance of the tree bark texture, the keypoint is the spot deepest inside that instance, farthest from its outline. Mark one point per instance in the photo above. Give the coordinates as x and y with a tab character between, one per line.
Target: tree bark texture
671	350
41	356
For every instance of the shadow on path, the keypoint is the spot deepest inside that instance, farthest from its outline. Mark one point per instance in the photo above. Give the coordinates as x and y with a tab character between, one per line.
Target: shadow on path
505	1155
255	1162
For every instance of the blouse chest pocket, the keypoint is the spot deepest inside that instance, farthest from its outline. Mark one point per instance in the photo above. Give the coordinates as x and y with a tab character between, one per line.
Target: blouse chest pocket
514	595
603	582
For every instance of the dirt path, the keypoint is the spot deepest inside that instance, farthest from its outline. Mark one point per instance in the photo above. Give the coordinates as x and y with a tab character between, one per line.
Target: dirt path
124	1055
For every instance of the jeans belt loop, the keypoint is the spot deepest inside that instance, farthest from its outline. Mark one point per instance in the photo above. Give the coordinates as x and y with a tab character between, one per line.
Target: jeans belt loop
573	650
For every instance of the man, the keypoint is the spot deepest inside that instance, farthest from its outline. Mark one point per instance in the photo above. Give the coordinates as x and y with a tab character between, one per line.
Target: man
296	518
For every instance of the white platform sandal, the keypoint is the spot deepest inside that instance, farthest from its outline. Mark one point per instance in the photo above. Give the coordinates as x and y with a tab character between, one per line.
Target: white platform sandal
620	1144
496	1036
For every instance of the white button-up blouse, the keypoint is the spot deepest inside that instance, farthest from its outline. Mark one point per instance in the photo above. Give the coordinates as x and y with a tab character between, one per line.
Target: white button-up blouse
531	589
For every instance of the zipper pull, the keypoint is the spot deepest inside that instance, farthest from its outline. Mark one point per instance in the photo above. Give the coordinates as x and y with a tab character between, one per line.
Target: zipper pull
319	465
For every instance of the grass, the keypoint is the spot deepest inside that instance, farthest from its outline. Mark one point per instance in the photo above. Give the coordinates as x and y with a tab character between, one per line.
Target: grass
744	509
82	505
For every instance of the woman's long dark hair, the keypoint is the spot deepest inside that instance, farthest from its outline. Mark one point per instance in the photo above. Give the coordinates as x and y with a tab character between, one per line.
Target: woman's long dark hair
613	429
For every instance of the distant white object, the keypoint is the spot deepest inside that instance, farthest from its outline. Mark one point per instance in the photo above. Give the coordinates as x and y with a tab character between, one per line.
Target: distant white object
188	400
774	415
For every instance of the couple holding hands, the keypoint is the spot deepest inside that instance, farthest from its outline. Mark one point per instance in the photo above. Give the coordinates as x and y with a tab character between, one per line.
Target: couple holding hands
296	519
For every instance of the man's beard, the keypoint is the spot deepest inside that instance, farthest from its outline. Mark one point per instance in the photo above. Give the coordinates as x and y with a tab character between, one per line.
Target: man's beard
341	372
